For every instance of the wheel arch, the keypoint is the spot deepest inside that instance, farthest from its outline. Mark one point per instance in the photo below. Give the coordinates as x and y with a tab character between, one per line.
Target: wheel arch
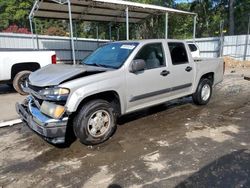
110	96
209	76
24	66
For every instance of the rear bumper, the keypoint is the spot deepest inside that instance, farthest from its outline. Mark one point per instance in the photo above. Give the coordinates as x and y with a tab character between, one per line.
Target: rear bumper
52	130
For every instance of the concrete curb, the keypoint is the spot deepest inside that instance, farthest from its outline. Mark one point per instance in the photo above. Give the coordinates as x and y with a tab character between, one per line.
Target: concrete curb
10	123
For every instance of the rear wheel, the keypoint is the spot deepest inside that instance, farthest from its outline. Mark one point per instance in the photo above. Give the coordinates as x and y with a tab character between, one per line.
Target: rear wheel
19	81
203	92
95	123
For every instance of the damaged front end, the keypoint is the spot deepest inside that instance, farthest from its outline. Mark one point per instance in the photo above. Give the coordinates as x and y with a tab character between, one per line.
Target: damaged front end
44	112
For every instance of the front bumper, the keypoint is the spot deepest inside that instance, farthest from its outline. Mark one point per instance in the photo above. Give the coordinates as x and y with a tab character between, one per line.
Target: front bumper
52	130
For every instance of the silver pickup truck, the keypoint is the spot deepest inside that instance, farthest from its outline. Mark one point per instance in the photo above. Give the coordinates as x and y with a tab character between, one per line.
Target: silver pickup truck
116	79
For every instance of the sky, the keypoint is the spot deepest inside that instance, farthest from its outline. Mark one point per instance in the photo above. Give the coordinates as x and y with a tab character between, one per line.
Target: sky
183	1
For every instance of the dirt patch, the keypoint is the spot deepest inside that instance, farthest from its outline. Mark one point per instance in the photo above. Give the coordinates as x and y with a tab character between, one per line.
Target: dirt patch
101	179
219	134
152	161
233	63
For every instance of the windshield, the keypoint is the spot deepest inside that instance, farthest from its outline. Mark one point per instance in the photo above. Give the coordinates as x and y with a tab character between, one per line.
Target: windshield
111	55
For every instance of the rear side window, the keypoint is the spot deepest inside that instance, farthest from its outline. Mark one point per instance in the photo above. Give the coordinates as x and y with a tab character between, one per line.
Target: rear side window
178	53
192	47
152	54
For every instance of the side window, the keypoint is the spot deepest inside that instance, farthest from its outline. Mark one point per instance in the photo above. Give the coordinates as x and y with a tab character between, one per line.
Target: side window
152	54
178	53
192	47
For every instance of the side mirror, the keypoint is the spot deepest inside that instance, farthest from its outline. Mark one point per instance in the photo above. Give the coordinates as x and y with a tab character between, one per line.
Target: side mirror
137	65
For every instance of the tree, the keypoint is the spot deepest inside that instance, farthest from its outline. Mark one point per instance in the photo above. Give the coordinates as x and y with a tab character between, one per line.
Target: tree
181	26
14	12
231	17
50	27
241	12
55	31
208	19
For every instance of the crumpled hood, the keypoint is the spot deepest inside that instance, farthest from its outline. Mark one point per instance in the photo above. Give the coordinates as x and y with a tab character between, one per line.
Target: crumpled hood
52	75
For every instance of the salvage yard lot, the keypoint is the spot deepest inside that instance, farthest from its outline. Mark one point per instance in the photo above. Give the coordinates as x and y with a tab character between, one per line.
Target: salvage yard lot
174	144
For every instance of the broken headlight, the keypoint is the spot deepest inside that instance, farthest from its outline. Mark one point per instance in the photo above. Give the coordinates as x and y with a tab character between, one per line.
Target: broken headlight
55	94
52	110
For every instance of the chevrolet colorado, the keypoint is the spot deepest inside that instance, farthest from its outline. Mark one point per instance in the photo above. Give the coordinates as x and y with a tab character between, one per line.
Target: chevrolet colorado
116	79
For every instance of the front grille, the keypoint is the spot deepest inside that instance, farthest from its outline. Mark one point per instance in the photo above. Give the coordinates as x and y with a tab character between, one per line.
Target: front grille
35	88
40	101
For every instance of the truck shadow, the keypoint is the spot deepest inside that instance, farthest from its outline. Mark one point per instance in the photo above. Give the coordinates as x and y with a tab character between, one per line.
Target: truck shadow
153	110
230	170
6	89
71	138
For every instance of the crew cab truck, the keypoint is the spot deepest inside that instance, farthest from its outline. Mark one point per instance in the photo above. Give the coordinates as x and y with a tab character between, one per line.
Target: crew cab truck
15	66
116	79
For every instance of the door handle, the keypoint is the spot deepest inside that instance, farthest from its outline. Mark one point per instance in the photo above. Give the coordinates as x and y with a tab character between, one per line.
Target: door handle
165	73
188	69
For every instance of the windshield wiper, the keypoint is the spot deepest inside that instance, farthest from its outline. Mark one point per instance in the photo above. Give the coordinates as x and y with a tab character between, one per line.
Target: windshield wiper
92	64
96	64
106	66
100	65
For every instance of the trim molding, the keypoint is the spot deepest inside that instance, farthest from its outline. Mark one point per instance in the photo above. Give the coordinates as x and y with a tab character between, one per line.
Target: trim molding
147	95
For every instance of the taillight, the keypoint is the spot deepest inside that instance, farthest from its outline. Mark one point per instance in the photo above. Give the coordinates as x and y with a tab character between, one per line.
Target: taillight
53	59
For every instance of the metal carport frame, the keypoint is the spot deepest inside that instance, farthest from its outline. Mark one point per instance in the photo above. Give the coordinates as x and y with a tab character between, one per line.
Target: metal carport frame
118	11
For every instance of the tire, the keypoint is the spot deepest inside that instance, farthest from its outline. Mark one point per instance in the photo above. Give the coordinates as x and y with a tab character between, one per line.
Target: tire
10	86
19	80
91	121
203	92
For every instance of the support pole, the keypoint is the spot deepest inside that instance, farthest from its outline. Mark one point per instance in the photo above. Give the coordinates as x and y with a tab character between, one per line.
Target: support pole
97	31
110	31
221	38
127	23
194	29
76	37
247	39
118	33
32	33
71	33
166	26
31	15
97	34
37	40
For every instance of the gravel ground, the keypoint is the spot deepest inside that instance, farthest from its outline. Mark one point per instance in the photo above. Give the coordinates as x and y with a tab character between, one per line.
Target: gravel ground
176	144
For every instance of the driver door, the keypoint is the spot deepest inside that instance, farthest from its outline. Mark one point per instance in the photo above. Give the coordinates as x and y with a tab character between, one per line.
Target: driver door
146	86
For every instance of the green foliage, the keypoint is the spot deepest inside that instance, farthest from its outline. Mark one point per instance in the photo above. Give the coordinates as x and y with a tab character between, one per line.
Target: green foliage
51	27
14	12
242	13
181	26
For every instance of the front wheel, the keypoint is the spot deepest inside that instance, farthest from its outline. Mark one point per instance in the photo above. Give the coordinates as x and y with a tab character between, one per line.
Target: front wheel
95	123
203	92
19	81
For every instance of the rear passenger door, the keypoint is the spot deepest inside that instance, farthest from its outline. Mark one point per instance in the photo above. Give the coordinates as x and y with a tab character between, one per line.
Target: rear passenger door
181	70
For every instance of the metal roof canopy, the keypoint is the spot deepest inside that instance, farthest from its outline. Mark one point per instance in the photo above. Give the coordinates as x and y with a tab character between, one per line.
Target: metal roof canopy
117	11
